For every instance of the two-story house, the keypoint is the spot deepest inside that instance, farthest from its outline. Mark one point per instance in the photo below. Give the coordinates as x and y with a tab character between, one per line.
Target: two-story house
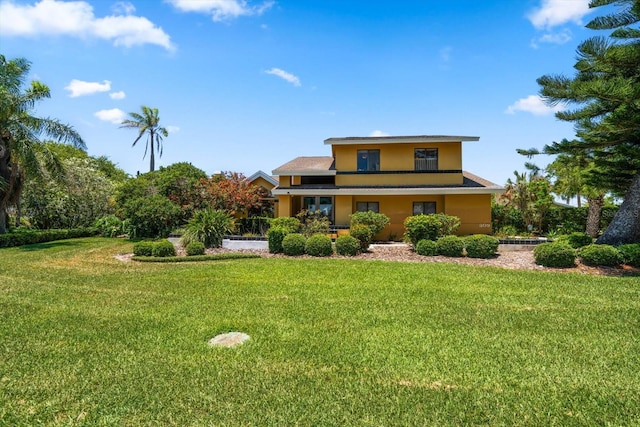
399	176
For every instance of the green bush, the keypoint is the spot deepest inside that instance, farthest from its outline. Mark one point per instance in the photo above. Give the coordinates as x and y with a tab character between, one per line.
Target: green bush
21	237
451	246
293	244
430	227
194	248
347	246
319	245
163	248
481	246
556	254
364	235
316	224
450	224
109	226
577	240
208	226
630	254
427	248
152	216
144	248
605	255
291	224
375	221
275	235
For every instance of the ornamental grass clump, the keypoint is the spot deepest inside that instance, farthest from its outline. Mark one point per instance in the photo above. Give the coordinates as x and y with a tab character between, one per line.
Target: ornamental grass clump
481	246
293	244
144	248
604	255
319	245
427	247
194	248
630	254
347	246
451	246
556	254
208	226
163	248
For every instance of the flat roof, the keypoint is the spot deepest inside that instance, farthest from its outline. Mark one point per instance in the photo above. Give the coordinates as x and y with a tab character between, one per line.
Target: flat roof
350	140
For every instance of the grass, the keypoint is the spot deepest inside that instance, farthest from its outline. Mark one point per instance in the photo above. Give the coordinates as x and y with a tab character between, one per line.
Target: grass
90	340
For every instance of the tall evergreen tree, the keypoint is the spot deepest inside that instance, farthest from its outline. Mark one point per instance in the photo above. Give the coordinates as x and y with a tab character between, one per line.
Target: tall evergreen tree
605	94
148	123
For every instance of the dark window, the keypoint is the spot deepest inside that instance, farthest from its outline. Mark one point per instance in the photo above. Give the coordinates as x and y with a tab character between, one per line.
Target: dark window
424	208
321	204
426	159
368	160
368	206
318	180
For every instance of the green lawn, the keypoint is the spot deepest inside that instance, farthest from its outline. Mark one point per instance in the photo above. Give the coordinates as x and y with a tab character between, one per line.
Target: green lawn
86	339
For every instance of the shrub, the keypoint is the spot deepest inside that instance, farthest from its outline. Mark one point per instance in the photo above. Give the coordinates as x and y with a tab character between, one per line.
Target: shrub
451	246
630	254
275	235
364	235
152	216
556	254
293	244
600	255
347	246
163	248
316	224
450	224
577	240
208	227
291	224
481	246
375	221
430	227
427	248
109	226
194	248
144	248
319	245
21	237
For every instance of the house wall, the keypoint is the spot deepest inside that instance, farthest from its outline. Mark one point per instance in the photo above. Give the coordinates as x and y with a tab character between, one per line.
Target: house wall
261	182
474	211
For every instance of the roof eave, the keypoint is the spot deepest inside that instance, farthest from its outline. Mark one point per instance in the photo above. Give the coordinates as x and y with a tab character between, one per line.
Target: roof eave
384	191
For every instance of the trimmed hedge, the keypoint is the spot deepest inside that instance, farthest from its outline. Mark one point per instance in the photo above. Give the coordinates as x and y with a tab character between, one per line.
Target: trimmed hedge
347	246
194	249
451	246
430	227
427	247
605	255
30	237
481	246
556	254
319	245
144	248
293	244
577	240
275	235
630	254
363	234
163	248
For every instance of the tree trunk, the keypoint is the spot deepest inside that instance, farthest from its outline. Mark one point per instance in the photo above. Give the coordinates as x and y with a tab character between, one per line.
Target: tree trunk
593	216
625	226
152	159
5	176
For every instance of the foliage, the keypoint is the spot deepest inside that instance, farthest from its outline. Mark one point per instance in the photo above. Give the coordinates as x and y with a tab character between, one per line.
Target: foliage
347	246
230	191
450	224
363	234
507	231
577	240
529	194
630	254
314	223
319	245
255	225
21	237
481	246
208	226
153	216
506	217
430	227
291	224
20	133
147	123
163	248
275	236
556	254
605	255
109	226
427	247
143	248
293	244
194	248
375	221
451	246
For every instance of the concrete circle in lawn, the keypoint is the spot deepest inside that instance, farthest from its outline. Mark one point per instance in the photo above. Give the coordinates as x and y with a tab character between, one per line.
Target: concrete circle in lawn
230	339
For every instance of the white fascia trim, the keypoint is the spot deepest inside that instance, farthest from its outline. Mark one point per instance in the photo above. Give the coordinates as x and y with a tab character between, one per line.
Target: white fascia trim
309	172
384	191
263	175
398	140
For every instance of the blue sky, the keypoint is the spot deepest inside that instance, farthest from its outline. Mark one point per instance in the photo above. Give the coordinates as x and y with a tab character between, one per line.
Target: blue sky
249	85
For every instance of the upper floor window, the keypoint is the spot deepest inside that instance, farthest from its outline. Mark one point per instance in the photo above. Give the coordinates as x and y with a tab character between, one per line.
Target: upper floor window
368	160
426	159
368	206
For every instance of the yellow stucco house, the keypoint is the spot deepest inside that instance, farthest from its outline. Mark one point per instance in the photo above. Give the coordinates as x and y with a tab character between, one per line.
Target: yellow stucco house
399	176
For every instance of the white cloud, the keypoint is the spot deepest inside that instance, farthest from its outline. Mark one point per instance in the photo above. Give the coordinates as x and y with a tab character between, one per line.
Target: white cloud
378	133
117	95
172	129
221	10
294	80
123	8
560	37
115	115
76	19
532	104
558	12
81	88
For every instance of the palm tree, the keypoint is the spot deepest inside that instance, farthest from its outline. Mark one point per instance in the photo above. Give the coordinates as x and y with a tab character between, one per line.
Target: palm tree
147	122
20	133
